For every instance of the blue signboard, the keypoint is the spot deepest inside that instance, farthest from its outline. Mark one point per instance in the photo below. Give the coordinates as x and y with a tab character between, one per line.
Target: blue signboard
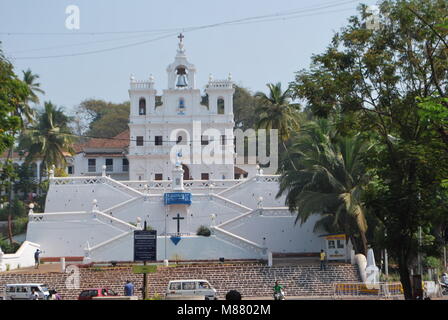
145	245
177	198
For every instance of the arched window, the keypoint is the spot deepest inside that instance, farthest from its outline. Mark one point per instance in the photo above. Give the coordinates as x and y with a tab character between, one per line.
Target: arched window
220	106
142	106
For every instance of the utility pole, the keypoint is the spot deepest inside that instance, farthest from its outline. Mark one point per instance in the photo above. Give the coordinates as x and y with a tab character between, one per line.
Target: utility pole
386	260
419	248
145	276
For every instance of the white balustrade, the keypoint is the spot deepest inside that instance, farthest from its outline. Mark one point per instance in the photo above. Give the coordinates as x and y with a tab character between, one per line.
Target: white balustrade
239	241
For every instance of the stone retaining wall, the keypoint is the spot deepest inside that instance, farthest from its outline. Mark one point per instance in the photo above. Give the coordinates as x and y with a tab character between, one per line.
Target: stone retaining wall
248	279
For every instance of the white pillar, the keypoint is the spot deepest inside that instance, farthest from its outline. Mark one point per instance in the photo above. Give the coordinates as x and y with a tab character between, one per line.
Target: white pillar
62	264
2	265
270	260
31	206
38	163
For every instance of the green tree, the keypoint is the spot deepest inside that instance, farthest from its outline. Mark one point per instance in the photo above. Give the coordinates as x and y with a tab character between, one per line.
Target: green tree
328	179
50	139
245	107
104	119
275	111
372	77
13	95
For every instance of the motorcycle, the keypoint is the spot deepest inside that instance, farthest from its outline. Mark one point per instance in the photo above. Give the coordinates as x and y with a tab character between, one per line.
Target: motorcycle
279	295
444	288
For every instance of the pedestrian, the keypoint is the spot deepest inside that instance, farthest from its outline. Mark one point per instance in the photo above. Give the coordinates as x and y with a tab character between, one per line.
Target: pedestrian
128	289
57	296
323	257
37	258
445	279
34	295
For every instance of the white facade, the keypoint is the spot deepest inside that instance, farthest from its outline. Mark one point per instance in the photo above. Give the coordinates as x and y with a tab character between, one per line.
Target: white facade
180	121
95	216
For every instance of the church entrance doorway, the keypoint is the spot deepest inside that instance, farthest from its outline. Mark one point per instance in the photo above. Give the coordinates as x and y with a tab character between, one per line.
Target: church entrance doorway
186	172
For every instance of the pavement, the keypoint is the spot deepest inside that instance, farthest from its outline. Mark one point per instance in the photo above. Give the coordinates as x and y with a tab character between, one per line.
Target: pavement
43	268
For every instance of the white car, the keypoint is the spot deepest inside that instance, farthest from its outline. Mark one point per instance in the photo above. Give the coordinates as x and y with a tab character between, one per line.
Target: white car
22	291
183	288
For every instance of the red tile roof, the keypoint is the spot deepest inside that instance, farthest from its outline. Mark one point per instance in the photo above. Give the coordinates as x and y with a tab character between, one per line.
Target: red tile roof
120	141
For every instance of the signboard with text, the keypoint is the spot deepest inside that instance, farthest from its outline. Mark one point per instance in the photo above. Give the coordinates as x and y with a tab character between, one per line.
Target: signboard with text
177	198
145	245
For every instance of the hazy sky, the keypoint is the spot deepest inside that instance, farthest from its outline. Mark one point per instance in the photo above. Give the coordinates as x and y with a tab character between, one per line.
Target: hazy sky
255	53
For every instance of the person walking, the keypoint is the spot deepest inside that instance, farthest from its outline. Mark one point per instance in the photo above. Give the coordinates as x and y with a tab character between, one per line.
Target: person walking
323	258
37	258
128	289
34	295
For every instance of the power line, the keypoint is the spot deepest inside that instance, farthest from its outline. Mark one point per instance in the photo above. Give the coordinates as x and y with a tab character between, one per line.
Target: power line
277	14
294	14
82	43
100	50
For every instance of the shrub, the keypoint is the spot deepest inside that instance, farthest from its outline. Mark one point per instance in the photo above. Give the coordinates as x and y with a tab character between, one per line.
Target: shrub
432	262
19	225
9	248
203	231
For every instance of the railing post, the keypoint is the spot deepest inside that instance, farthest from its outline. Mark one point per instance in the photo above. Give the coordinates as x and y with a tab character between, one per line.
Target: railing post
2	265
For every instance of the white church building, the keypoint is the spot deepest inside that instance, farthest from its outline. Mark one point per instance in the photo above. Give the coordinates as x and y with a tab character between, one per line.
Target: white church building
168	188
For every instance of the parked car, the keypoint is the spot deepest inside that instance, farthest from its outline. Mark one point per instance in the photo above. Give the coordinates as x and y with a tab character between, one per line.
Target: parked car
88	294
179	288
22	291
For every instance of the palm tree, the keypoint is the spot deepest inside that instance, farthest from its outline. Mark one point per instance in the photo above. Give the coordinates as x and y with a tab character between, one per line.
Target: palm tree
25	114
50	138
276	112
24	110
329	181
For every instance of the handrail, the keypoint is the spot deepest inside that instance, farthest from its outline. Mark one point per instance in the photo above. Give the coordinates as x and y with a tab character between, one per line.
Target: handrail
254	211
121	204
237	185
247	243
104	243
119	184
235	204
119	221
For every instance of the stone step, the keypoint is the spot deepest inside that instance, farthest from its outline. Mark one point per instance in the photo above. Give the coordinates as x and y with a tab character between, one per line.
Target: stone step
251	280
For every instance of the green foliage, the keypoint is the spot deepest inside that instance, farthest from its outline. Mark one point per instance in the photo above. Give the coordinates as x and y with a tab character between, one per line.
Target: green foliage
203	231
370	80
20	225
156	296
9	248
276	111
49	139
245	107
24	182
106	119
433	263
18	210
327	178
13	94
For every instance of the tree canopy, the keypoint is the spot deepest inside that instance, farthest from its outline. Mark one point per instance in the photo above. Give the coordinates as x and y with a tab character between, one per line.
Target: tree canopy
378	80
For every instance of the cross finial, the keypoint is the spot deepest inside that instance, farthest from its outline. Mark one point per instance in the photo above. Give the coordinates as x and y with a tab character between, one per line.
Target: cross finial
181	37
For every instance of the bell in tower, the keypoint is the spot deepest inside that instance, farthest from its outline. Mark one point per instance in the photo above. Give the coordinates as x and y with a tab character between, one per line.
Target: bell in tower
181	77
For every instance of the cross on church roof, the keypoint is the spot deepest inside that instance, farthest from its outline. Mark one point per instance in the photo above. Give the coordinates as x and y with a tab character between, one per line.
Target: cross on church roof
181	36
